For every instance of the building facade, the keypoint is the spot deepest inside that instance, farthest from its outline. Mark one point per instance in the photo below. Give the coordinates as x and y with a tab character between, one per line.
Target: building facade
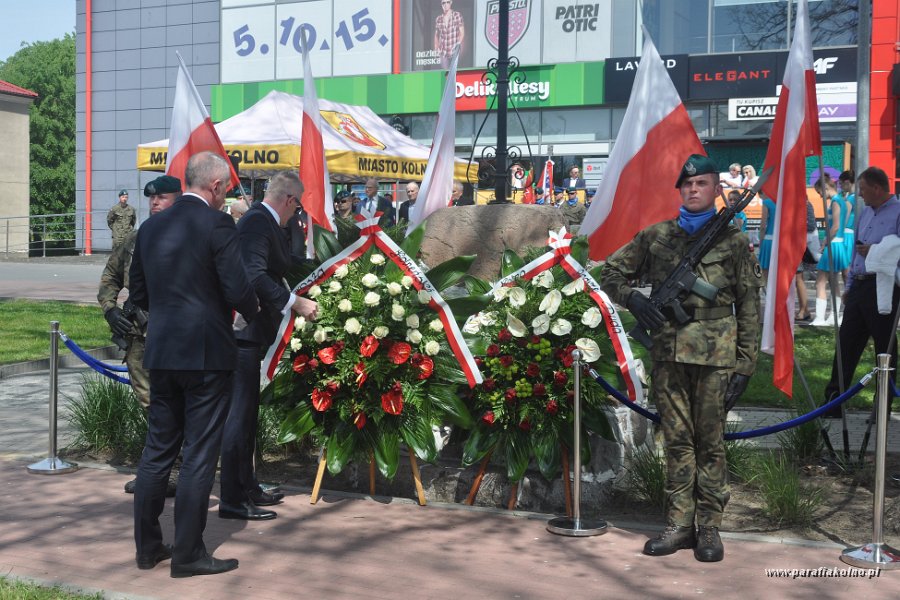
15	104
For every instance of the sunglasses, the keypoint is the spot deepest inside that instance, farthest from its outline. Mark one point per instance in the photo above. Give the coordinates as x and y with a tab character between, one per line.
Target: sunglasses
342	201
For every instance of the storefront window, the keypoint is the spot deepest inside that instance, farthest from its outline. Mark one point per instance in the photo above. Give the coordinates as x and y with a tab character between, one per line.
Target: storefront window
576	125
740	25
677	27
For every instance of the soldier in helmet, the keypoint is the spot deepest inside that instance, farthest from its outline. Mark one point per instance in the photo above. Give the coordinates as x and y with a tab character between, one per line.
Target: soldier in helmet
700	368
129	323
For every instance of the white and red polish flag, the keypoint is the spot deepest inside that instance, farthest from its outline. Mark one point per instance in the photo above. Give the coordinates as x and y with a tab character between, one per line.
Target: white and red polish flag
192	130
437	184
547	181
795	135
313	169
654	141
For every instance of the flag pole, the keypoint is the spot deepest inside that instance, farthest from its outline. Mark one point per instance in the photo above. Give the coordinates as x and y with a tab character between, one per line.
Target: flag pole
812	406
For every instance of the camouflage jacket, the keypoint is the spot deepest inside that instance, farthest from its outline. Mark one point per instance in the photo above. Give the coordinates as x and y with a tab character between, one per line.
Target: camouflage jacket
121	219
729	341
115	274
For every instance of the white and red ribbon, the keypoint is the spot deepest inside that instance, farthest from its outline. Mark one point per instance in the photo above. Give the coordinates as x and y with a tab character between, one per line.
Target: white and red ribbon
372	234
560	254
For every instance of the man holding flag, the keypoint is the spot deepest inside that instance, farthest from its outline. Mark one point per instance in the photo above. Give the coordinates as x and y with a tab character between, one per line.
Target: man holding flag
701	367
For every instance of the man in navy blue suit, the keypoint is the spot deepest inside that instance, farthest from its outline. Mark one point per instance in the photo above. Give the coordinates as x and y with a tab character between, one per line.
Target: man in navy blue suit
183	272
266	257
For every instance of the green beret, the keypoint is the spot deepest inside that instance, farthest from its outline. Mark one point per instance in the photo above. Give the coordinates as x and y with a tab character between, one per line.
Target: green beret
164	184
696	164
123	192
571	190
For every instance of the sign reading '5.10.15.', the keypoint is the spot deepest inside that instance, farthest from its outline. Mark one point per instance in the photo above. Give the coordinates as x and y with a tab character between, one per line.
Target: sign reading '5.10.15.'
263	42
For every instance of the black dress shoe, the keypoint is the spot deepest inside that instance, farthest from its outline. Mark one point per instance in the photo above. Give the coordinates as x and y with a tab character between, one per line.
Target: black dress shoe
261	498
148	561
208	565
246	511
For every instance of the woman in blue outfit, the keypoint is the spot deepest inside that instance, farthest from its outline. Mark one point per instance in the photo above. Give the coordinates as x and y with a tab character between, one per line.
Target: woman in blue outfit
835	257
766	227
846	181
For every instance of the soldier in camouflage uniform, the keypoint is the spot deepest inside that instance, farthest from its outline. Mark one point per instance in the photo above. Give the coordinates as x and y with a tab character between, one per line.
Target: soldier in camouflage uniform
121	219
161	193
700	368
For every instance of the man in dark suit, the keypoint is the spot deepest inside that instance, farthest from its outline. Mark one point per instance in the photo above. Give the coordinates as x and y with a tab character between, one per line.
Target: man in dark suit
183	272
412	193
266	258
574	179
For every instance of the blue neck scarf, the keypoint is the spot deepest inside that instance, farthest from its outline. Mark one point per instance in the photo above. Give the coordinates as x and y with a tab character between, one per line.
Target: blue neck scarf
693	222
572	202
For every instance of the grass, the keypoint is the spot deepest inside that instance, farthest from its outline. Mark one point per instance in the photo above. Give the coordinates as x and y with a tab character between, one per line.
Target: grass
786	501
11	589
739	456
647	477
25	326
107	418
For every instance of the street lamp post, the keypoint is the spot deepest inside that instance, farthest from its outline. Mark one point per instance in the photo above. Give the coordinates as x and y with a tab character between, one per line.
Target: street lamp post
500	176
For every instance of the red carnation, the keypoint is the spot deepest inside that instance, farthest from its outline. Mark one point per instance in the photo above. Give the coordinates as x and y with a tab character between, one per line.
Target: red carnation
392	401
359	419
525	425
506	361
493	350
489	384
510	394
423	363
532	370
369	346
361	375
504	335
552	407
330	354
488	417
539	389
560	378
321	400
399	353
301	364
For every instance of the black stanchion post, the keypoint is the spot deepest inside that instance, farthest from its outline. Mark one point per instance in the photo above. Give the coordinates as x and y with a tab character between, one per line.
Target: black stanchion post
576	526
877	553
53	465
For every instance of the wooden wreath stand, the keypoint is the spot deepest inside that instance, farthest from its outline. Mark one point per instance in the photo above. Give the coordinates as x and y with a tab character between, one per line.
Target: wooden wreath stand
511	501
413	465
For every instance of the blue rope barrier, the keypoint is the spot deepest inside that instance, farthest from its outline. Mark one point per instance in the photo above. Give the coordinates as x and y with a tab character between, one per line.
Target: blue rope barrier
93	363
741	435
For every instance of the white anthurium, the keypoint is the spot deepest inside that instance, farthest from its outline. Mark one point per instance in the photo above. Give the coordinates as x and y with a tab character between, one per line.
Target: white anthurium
592	317
352	326
561	327
341	271
550	303
320	335
544	279
436	325
406	281
590	351
473	325
381	332
500	293
541	324
515	326
394	288
377	259
397	312
517	297
345	305
424	296
370	280
432	348
487	318
414	335
334	286
577	285
296	344
314	292
371	299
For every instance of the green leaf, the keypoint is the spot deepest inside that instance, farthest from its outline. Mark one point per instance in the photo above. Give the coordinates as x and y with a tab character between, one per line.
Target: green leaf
340	447
325	243
510	263
386	448
477	344
296	424
450	405
580	249
466	306
597	271
417	434
567	437
476	285
482	439
518	453
450	271
548	454
596	420
410	245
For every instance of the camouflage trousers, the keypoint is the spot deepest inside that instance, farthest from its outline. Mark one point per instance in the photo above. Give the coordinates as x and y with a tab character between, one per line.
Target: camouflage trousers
139	376
690	403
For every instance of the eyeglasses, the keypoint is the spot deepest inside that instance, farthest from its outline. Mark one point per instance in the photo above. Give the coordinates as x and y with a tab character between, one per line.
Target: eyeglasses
445	2
342	201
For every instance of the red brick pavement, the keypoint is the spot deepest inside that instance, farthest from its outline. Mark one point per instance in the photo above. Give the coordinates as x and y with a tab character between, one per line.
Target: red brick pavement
76	530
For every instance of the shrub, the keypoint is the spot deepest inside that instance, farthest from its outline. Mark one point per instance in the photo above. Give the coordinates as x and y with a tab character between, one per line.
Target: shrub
786	501
647	477
108	418
739	456
803	442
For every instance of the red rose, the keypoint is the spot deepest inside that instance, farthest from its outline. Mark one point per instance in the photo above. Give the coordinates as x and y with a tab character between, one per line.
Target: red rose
506	361
535	339
301	364
560	379
488	417
330	354
489	384
313	364
539	389
493	350
504	335
525	425
552	407
424	364
399	353
532	370
392	401
361	375
566	358
479	362
339	346
510	395
321	400
369	346
359	419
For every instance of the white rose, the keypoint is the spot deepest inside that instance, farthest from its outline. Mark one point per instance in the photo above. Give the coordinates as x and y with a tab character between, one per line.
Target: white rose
590	351
377	259
412	321
369	280
515	326
352	326
550	303
406	281
424	296
372	299
436	325
320	335
394	288
296	344
342	271
574	287
517	297
472	325
345	305
541	324
314	292
397	312
380	332
432	348
544	280
414	335
592	317
560	327
487	318
500	293
299	323
335	286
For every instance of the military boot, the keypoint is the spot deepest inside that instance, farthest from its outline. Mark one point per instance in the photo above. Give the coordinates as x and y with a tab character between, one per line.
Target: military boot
709	545
671	540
